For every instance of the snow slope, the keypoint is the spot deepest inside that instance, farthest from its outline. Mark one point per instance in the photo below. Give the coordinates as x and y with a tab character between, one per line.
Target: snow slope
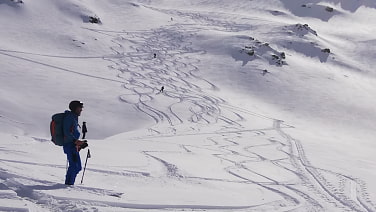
268	104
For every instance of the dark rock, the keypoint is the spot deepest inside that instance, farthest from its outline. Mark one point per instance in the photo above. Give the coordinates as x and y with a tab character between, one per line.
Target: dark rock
251	52
329	9
94	20
283	55
91	19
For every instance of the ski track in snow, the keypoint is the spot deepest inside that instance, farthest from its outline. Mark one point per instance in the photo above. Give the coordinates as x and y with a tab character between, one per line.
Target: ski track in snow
175	69
310	189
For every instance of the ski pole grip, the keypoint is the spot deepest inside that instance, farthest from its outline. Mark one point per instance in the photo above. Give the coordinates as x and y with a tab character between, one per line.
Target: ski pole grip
84	128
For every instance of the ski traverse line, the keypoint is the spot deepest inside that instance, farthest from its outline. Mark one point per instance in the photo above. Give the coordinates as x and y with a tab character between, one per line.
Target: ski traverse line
319	180
61	69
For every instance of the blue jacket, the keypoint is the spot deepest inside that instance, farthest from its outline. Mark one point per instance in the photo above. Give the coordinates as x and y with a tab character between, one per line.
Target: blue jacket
71	127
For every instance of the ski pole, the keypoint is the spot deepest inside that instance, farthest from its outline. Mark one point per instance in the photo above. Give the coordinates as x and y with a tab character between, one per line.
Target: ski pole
87	156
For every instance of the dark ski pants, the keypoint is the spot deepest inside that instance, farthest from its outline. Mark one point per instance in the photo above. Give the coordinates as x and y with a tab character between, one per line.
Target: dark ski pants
74	161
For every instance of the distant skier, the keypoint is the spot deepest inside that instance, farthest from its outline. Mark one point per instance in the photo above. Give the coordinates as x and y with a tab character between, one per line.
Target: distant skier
161	90
264	72
155	55
72	145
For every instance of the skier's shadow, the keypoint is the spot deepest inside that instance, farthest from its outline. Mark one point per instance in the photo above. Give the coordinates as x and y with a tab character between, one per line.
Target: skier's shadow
26	191
48	187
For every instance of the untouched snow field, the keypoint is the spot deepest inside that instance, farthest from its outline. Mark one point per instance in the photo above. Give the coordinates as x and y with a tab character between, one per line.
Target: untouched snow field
268	105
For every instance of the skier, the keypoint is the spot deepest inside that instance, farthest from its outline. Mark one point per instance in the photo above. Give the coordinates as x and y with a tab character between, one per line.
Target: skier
264	72
72	144
161	90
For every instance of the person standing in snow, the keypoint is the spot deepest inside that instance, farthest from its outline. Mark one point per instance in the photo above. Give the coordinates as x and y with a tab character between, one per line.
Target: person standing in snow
72	144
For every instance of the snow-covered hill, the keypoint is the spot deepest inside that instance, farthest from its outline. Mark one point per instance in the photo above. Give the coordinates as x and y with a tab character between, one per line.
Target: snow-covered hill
268	104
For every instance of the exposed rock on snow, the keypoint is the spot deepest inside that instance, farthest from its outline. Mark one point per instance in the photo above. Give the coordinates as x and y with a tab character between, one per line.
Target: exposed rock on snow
91	19
300	29
260	50
11	2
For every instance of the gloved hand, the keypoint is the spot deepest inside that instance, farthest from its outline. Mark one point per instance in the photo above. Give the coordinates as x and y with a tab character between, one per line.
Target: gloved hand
81	144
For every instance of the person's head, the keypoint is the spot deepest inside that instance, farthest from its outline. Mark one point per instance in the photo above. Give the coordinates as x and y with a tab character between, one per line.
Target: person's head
76	107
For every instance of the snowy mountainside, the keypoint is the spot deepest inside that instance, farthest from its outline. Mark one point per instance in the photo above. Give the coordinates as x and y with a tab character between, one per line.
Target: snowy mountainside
268	105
